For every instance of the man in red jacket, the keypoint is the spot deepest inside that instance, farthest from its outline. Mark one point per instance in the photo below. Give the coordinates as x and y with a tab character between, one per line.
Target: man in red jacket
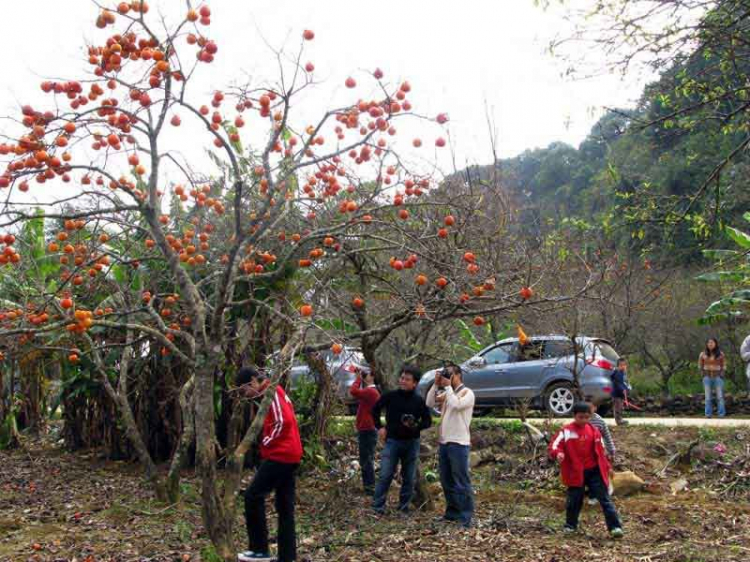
579	449
364	390
280	453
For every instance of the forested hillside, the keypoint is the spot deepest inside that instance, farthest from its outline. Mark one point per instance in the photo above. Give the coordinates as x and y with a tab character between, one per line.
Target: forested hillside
661	178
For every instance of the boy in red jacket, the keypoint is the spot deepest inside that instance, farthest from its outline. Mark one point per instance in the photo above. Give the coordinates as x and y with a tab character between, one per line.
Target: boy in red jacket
579	449
280	453
364	390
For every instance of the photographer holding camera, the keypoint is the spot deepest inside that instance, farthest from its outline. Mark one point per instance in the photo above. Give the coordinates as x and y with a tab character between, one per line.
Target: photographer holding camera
406	415
367	394
456	403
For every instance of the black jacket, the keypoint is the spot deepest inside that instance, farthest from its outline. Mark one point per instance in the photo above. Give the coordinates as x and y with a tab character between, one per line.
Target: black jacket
406	414
619	385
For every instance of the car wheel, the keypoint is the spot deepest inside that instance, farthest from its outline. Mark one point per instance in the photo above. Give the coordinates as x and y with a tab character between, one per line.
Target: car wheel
559	399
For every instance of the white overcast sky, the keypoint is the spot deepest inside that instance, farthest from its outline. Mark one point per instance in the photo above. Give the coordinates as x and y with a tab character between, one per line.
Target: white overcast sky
457	55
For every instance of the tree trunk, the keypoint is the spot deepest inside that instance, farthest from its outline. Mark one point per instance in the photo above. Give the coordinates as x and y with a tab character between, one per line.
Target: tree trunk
422	499
217	524
323	399
187	439
120	398
3	407
369	350
30	415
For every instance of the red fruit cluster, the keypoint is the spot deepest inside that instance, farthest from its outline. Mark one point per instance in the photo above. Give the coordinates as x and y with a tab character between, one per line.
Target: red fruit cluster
9	254
408	263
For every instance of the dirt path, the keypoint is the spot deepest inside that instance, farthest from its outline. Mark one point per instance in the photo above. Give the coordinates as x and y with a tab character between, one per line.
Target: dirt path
675	422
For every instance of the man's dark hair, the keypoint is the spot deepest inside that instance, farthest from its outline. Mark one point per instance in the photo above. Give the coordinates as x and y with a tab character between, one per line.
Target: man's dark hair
453	369
412	370
581	408
246	374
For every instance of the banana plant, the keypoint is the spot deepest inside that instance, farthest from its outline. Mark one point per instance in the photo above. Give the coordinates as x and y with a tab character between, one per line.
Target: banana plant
734	270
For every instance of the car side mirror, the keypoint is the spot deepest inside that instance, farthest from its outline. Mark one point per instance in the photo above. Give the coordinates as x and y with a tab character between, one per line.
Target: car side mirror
477	361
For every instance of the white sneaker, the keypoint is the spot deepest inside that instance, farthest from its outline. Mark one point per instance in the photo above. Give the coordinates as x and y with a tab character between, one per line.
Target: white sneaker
250	556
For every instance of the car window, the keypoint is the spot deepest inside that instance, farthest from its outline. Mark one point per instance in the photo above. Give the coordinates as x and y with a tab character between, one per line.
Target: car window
557	348
500	354
532	351
601	348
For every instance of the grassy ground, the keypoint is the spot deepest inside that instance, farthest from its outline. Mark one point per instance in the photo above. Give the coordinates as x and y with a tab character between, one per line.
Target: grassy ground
56	506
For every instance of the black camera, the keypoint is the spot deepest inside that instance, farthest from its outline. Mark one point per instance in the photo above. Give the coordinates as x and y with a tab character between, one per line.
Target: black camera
445	373
409	420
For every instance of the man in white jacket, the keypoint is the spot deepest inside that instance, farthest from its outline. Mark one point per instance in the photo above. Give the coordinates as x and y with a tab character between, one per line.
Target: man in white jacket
745	354
456	403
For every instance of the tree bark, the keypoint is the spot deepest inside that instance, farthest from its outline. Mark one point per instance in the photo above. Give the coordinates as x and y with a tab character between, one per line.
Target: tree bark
3	407
217	524
323	399
422	498
187	438
120	398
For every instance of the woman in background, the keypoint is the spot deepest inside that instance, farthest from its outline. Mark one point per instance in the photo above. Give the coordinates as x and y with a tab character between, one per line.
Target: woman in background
711	363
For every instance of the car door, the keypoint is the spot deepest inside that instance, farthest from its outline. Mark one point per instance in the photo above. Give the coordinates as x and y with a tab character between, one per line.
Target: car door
486	381
558	364
523	376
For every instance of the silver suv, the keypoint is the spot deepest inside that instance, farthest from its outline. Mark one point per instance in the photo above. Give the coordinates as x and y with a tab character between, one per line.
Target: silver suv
539	373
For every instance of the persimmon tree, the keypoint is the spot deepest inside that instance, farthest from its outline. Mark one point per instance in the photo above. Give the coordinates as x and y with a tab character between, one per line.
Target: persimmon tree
258	247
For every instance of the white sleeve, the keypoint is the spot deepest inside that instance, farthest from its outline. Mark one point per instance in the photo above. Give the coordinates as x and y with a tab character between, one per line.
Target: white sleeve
458	403
430	400
745	350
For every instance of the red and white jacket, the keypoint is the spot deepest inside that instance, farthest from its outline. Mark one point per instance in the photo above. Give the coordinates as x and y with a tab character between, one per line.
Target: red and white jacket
280	440
571	468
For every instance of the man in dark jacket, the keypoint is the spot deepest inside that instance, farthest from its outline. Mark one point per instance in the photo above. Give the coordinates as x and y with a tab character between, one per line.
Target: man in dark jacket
406	415
619	390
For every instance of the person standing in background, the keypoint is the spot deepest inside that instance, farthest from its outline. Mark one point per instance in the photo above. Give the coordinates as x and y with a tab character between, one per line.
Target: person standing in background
620	390
711	363
365	391
745	355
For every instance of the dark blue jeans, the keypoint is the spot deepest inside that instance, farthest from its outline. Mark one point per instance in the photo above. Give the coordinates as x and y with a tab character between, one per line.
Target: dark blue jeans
454	477
404	451
592	479
367	441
